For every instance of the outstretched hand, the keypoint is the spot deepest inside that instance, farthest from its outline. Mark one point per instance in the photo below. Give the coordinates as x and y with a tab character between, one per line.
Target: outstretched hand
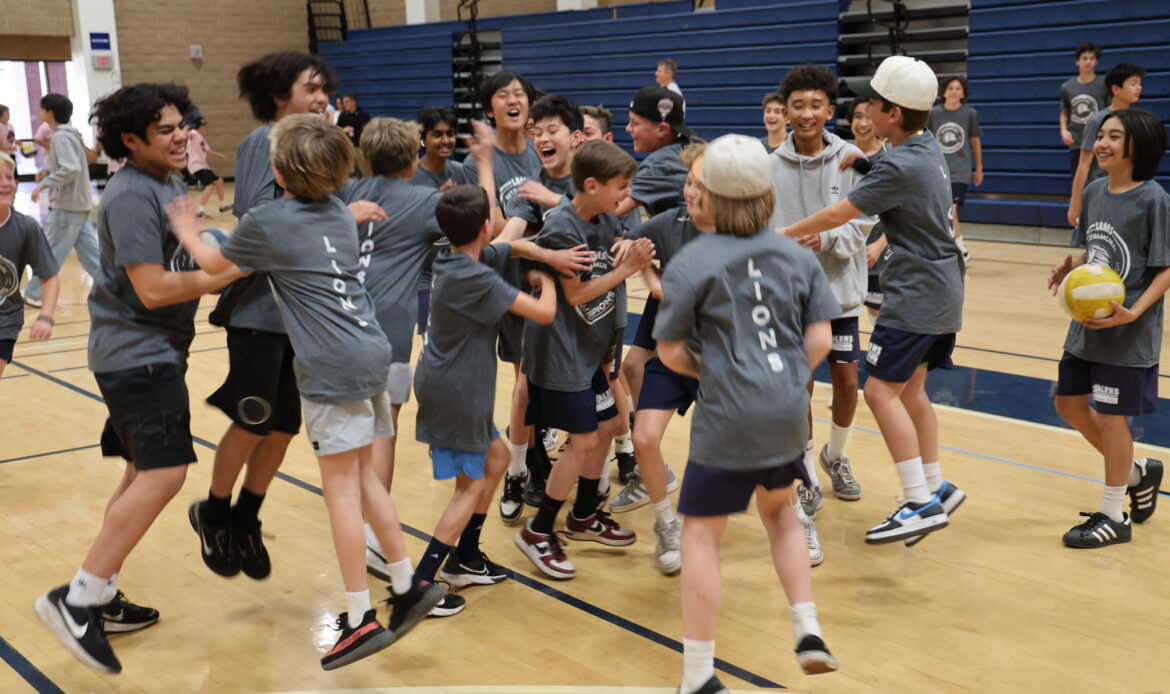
481	142
1058	273
184	223
365	211
571	260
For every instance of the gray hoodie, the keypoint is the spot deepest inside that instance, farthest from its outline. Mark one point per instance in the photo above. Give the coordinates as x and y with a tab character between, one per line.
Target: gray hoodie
804	186
68	179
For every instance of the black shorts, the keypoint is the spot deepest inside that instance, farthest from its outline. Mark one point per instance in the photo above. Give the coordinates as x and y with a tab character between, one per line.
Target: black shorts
1121	390
644	336
613	356
577	412
846	347
150	416
424	309
711	491
958	193
205	177
894	355
1074	160
6	348
260	392
663	389
873	293
511	338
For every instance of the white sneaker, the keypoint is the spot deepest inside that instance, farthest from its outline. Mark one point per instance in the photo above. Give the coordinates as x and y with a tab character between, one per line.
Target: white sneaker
815	555
811	498
668	551
908	520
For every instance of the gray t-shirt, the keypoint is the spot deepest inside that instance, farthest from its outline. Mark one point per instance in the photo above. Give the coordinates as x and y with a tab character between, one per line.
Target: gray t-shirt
767	146
133	228
456	378
1129	232
533	213
565	355
510	171
749	300
909	191
875	231
247	303
1089	138
1082	101
669	231
452	171
310	253
22	244
954	130
660	179
395	251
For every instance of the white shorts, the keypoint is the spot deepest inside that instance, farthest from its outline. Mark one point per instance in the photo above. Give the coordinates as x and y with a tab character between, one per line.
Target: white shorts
399	382
339	427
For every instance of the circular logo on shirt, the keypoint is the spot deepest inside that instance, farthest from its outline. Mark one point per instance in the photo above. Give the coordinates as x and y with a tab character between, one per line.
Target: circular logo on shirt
9	279
1104	246
1081	108
951	137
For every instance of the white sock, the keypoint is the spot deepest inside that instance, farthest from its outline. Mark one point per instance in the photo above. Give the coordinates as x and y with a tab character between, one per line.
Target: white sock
401	575
934	478
913	480
698	664
519	452
1136	472
663	511
201	210
372	540
85	590
1111	502
358	604
804	620
623	443
838	437
111	590
810	462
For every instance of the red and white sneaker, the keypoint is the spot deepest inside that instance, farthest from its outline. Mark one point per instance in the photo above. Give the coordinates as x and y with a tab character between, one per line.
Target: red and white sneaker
599	527
545	552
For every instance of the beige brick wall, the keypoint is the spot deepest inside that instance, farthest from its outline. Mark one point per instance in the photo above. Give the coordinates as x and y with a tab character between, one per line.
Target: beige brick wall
153	40
36	17
392	12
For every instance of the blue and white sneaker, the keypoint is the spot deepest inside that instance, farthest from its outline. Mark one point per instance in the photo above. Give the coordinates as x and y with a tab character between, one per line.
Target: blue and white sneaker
908	520
950	497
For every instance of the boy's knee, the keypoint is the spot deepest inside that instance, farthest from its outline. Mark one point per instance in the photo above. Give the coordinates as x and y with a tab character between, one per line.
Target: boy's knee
644	438
586	444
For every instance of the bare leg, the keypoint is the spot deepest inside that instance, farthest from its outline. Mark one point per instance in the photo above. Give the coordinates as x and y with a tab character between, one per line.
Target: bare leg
633	365
649	429
895	423
235	448
788	544
1075	410
130	515
458	511
921	412
1118	443
380	512
264	461
702	585
595	466
844	379
382	452
219	190
582	449
494	469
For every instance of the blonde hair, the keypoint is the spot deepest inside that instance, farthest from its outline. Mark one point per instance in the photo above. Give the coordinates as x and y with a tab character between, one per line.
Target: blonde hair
390	145
5	159
313	156
741	217
691	152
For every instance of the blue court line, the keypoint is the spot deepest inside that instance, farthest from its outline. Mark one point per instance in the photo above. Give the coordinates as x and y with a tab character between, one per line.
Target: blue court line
36	679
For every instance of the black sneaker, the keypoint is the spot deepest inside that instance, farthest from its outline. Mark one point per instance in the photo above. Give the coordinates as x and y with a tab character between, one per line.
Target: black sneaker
79	628
814	656
711	686
120	615
1143	496
479	571
538	468
1099	531
512	500
408	609
450	605
354	644
217	546
251	551
627	466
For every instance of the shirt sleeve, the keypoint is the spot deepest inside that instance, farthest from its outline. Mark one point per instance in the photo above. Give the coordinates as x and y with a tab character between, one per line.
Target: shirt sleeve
247	247
484	296
38	254
458	173
879	190
1065	99
676	313
653	183
496	256
932	121
974	130
1159	221
1089	138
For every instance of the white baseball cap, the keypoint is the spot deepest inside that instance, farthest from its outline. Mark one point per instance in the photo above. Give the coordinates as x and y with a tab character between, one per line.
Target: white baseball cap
905	81
736	167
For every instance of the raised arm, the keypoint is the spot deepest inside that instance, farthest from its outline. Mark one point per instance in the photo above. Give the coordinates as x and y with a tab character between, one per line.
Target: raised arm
541	308
826	218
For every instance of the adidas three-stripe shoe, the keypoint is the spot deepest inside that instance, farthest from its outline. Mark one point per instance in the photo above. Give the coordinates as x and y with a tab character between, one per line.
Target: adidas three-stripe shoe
1099	531
1143	496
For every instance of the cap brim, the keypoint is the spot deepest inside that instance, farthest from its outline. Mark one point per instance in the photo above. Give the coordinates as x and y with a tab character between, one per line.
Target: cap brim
685	130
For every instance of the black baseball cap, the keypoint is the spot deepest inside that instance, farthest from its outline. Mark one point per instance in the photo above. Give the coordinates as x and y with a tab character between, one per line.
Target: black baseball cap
661	105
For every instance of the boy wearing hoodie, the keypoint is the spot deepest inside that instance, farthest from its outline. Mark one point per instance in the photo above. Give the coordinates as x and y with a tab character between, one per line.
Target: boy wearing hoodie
807	177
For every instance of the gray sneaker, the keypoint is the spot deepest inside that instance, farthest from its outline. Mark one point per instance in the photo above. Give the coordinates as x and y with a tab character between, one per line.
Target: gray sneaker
811	499
815	555
669	549
632	496
844	485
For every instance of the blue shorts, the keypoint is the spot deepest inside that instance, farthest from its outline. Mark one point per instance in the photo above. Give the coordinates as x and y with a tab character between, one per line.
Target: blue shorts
873	293
846	341
958	193
663	389
894	355
644	337
711	491
1123	390
447	463
575	413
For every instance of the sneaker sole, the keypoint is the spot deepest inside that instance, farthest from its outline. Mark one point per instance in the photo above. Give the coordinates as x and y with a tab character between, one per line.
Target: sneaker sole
630	507
887	539
193	517
670	569
460	580
589	537
51	618
817	560
510	519
379	642
817	662
551	573
441	612
847	496
433	596
1117	541
962	496
124	628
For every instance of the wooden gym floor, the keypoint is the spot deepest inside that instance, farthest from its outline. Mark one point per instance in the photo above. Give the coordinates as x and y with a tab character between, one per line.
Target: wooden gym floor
994	603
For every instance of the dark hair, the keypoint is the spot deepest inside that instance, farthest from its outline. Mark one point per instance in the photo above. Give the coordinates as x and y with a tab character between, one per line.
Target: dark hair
1145	137
3	109
557	106
669	64
598	113
602	161
461	213
131	110
1120	72
853	104
772	98
498	81
274	75
60	105
943	84
1088	47
350	96
912	119
809	76
430	116
196	123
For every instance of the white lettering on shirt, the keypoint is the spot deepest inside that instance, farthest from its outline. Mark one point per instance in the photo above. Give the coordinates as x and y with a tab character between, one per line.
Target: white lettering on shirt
762	317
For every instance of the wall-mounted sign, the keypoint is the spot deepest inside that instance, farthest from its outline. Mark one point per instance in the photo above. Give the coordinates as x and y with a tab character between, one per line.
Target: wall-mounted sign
99	42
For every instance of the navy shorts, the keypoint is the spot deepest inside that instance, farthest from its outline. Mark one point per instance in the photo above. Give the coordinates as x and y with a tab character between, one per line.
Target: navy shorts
424	310
894	355
511	337
614	356
575	413
6	348
873	293
958	193
644	337
260	392
846	341
663	389
711	491
1074	160
1123	390
150	416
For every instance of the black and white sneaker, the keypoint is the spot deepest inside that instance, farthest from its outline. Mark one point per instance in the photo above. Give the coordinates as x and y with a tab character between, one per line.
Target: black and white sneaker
627	466
1099	531
538	468
480	571
547	437
907	520
410	608
512	500
251	550
376	565
950	497
1143	496
217	542
450	605
711	686
814	656
354	644
78	628
120	615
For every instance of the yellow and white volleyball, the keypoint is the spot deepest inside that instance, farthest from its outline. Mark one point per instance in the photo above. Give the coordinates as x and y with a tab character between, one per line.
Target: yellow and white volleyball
214	237
1087	290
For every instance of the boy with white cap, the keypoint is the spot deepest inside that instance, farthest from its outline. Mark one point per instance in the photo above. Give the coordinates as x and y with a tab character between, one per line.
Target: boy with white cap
922	309
756	307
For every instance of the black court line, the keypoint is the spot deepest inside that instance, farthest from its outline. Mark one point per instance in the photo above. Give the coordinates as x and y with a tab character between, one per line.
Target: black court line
522	579
36	679
42	455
